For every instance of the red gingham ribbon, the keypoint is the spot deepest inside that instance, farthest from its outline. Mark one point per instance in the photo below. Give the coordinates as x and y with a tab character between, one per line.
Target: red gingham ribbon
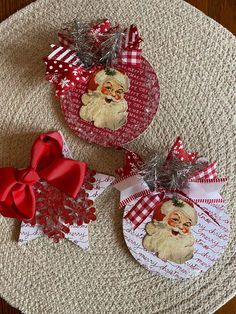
208	173
147	204
131	52
65	40
144	207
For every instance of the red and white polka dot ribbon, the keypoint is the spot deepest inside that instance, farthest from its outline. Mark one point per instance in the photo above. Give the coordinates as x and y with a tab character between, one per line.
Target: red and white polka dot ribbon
64	69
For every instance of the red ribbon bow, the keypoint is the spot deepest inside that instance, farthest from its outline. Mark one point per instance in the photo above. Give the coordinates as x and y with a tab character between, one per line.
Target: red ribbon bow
17	198
148	200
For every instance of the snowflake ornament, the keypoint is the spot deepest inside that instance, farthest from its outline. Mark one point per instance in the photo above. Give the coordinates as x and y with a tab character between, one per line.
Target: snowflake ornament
56	211
59	216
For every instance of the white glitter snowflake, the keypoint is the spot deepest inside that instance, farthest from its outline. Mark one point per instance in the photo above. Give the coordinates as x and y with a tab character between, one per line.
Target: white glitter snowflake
64	82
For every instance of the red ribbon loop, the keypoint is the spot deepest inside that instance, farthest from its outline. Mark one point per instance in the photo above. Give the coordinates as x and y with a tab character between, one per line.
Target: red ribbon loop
28	176
17	199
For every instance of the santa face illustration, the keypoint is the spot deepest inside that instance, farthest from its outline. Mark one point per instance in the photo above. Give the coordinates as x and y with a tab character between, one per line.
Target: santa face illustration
104	103
169	234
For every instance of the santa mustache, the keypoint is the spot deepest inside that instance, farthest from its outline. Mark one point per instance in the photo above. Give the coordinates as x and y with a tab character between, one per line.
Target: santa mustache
174	230
110	99
107	98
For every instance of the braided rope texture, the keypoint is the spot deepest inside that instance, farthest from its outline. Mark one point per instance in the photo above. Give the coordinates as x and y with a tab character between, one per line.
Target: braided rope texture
194	58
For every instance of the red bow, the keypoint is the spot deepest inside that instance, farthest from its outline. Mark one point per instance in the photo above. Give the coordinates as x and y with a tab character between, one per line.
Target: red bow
17	198
149	200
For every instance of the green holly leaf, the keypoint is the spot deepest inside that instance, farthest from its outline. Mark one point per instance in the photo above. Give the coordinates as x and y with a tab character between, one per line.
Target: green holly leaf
110	71
176	202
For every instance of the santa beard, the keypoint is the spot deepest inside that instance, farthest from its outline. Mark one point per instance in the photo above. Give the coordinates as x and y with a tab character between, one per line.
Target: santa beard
160	240
111	115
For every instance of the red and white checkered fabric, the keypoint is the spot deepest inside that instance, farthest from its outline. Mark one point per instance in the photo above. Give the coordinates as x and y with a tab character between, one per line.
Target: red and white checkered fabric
65	69
143	208
65	40
131	52
206	174
131	57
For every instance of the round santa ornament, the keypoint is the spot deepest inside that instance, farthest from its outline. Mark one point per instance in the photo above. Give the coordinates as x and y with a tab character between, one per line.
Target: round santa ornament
108	91
175	223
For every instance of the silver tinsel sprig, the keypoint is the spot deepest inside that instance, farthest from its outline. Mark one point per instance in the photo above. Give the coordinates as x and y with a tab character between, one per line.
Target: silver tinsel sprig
90	53
110	47
172	174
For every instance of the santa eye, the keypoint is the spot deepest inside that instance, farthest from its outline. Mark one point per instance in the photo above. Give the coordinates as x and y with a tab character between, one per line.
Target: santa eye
175	219
120	91
108	87
187	224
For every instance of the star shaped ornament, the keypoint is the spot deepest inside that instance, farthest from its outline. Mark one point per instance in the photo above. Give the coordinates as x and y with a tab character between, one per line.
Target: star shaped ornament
59	216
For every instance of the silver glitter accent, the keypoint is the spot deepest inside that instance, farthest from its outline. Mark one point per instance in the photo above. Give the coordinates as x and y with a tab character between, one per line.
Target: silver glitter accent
172	174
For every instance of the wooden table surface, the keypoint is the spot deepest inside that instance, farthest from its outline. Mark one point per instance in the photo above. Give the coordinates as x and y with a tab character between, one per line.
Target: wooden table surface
223	11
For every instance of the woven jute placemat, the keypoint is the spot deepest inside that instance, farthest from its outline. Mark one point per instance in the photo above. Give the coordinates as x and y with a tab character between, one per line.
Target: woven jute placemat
194	58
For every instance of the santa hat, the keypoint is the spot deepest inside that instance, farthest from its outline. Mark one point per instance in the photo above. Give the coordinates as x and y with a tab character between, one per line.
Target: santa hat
105	74
170	205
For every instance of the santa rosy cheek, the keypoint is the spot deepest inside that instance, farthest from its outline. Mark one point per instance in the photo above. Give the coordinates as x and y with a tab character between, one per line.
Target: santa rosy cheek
104	91
185	230
171	222
118	97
